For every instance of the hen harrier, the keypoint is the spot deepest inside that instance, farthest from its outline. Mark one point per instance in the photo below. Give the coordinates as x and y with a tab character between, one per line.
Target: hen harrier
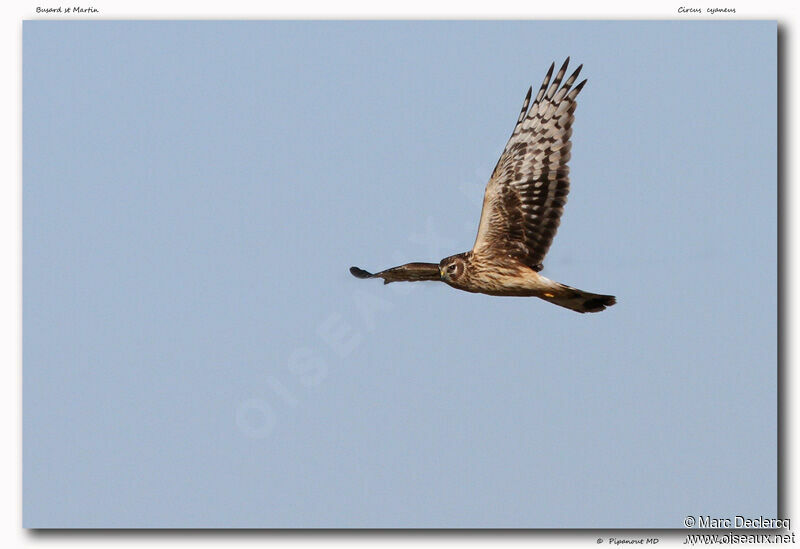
521	212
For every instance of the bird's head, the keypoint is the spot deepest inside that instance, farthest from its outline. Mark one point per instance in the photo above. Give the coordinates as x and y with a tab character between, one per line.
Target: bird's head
452	268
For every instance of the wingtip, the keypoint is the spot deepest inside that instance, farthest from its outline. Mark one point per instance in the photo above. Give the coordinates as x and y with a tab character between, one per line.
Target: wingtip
598	303
359	273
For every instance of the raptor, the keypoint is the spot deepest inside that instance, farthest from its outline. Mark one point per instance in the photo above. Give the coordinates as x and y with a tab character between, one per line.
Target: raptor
522	208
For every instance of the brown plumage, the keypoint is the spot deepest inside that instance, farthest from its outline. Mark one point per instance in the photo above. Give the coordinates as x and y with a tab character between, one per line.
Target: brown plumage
522	209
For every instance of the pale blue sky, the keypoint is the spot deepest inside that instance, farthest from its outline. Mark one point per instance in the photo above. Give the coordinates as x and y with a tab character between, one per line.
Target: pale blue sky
196	353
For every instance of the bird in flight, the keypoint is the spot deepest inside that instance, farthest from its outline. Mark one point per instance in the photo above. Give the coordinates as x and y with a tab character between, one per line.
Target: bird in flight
522	209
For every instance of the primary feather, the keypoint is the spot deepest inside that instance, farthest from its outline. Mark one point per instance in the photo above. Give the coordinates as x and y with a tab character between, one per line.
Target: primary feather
528	189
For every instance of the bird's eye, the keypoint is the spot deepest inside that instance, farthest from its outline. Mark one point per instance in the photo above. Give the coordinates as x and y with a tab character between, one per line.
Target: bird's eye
451	268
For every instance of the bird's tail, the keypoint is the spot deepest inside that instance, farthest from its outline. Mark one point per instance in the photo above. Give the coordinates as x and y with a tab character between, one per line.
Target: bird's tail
578	300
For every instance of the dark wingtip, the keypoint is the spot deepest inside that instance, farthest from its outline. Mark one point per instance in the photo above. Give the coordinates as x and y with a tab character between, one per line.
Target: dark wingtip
359	273
599	303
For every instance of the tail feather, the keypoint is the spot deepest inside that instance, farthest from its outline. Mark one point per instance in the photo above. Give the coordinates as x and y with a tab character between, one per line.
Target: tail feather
578	300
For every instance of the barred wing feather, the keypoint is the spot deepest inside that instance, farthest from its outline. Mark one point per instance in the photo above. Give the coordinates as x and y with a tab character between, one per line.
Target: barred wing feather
528	189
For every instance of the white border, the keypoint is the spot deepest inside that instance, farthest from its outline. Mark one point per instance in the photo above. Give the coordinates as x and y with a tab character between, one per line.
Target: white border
12	534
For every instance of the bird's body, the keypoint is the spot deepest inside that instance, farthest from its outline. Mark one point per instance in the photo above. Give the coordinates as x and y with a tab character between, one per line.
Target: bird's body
502	279
521	212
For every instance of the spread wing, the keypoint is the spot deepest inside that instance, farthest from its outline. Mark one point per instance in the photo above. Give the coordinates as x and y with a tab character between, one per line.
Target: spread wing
411	272
526	194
